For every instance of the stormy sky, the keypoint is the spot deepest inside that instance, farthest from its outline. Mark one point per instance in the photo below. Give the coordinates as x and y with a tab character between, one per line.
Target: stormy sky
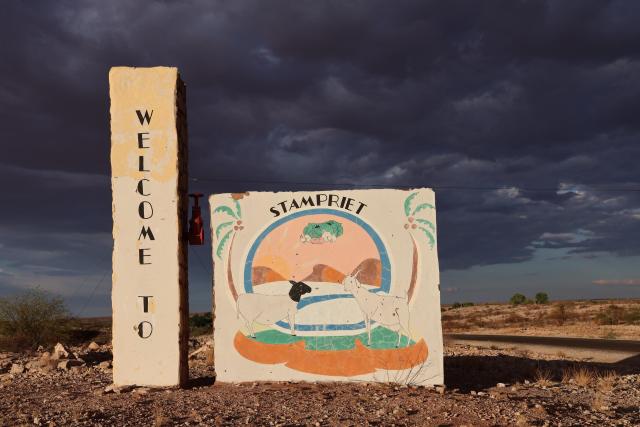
524	116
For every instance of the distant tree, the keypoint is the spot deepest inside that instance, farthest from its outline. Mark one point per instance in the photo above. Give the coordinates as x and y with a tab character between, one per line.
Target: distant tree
542	298
467	304
456	305
33	318
518	299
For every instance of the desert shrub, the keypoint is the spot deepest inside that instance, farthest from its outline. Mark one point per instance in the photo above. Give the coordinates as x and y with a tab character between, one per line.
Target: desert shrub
542	298
456	305
200	324
449	325
582	376
512	318
467	304
518	299
606	381
32	318
449	316
632	316
561	313
612	315
477	319
543	377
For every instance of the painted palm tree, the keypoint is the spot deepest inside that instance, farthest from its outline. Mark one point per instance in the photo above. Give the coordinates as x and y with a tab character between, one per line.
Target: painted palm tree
231	223
416	222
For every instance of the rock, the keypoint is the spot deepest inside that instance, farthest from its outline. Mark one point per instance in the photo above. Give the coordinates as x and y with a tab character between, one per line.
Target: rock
61	352
47	365
65	365
105	365
123	389
501	385
17	368
32	364
44	363
440	389
93	346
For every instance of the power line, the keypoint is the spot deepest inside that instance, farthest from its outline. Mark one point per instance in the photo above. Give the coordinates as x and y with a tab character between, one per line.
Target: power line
573	188
205	269
86	303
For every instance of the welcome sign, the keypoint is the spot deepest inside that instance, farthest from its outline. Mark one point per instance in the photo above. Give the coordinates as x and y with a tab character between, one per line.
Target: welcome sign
340	285
149	184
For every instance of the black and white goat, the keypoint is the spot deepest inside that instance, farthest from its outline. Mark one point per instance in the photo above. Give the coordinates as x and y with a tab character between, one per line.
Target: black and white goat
269	309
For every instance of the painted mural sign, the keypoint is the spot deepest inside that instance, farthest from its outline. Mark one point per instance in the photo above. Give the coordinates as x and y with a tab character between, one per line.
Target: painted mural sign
327	286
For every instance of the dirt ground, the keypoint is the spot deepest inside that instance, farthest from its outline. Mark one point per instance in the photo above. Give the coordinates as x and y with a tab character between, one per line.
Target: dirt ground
483	387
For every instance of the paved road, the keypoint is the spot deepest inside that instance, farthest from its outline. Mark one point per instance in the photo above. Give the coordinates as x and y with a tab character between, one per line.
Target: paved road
629	346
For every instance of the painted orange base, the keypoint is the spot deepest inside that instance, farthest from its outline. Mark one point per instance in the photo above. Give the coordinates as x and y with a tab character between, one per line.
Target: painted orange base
344	363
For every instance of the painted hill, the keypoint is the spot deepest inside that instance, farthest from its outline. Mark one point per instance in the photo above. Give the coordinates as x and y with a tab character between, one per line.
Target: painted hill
370	272
324	273
262	275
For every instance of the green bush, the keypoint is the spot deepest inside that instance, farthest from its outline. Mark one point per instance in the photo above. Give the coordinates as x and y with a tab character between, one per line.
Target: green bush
542	298
32	318
200	324
459	305
518	299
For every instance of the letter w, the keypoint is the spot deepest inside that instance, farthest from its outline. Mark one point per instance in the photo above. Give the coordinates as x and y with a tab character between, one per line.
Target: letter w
144	117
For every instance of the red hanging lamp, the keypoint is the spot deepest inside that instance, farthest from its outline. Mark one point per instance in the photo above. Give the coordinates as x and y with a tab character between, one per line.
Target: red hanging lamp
196	229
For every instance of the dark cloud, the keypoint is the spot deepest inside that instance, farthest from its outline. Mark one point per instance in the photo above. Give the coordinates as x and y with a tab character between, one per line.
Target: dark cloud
529	94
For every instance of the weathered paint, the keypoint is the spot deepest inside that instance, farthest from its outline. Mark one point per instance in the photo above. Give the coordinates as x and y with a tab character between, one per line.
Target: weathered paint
149	181
266	244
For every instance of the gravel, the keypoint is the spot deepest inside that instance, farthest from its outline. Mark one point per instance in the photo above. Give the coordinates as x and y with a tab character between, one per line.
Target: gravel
484	387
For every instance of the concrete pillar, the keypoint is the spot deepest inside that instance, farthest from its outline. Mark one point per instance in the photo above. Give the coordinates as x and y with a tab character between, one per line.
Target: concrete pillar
149	184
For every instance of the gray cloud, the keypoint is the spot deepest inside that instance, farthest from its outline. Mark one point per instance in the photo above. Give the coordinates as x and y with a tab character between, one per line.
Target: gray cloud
520	94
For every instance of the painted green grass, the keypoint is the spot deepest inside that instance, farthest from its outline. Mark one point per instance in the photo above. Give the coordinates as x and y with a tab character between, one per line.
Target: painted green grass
381	338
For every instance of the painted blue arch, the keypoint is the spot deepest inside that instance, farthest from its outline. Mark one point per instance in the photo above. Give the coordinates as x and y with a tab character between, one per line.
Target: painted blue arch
385	282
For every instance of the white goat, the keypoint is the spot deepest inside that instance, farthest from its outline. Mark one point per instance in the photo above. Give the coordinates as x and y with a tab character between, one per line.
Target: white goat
268	309
387	310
